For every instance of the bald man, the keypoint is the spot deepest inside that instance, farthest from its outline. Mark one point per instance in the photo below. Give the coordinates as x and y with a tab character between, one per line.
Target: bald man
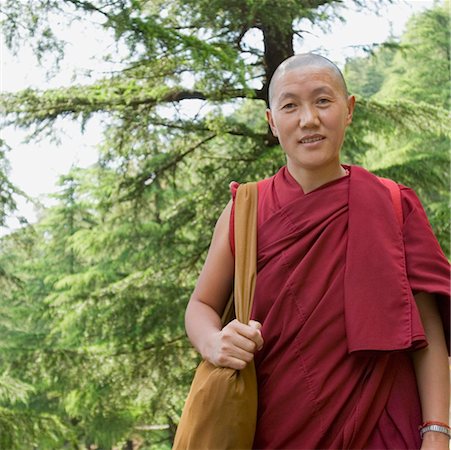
351	306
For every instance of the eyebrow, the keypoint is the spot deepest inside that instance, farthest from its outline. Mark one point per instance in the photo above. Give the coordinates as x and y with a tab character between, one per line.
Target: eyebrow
286	95
316	91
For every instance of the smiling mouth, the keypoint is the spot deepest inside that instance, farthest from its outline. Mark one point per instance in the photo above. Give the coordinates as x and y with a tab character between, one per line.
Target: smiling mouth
309	140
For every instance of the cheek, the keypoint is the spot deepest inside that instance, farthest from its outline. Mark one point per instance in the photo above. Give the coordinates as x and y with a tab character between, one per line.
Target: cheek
286	123
336	122
279	127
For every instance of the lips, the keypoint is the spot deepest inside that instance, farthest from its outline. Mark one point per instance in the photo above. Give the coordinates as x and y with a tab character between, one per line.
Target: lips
311	139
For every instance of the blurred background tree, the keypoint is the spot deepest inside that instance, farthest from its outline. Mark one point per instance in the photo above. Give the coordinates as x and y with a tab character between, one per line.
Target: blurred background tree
94	351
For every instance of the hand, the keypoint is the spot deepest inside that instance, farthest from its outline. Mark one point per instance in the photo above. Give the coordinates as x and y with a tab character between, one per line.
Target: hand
234	346
435	441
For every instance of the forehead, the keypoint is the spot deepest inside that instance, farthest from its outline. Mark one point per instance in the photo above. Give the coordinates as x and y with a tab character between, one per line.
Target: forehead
300	80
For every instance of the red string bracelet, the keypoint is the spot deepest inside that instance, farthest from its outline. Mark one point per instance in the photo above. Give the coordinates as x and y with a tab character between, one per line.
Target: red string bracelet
433	422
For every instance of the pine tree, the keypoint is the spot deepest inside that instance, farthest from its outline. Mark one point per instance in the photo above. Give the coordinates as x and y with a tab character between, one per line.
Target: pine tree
104	277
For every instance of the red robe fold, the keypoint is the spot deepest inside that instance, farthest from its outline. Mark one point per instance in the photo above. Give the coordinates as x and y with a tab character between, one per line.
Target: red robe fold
325	260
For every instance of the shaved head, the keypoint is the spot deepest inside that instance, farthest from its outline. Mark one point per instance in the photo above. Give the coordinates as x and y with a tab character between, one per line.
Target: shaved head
305	60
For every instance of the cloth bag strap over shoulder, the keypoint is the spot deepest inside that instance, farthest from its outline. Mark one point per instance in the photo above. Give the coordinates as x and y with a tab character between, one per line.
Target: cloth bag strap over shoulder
239	305
395	194
245	250
220	412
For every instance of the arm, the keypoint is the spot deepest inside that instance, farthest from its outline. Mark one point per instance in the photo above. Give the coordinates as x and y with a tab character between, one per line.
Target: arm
432	372
234	345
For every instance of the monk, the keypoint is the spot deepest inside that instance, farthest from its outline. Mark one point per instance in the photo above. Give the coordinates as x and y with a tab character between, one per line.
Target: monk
350	320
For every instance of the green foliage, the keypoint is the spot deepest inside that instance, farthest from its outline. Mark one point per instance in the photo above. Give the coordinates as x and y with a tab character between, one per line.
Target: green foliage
93	343
19	429
31	22
365	75
7	189
421	72
12	390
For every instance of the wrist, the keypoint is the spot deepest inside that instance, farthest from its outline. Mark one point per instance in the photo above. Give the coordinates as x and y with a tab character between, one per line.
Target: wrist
207	350
435	432
435	436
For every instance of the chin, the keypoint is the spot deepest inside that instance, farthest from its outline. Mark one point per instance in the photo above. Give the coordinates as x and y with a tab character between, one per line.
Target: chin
314	164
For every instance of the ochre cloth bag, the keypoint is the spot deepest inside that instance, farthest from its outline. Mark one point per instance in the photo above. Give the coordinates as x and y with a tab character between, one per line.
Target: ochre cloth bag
221	409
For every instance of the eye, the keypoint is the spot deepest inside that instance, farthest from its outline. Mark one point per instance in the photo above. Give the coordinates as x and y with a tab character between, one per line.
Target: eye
323	101
288	106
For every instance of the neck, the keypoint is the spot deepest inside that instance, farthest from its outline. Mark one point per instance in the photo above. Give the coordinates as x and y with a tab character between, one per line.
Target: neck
311	179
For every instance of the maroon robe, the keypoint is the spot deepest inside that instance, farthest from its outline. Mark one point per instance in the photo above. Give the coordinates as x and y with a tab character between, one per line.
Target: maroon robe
334	292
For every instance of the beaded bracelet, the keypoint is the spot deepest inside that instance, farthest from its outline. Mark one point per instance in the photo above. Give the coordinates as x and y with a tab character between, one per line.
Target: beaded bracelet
440	427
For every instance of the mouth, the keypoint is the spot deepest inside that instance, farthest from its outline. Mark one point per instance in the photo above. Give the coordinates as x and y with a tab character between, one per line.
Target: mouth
311	139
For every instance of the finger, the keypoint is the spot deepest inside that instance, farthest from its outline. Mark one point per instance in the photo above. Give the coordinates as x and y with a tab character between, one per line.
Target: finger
259	342
236	328
236	363
253	332
243	343
243	329
235	358
243	355
255	324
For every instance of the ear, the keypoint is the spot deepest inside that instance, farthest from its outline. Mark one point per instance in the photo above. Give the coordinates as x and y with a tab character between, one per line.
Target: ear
271	123
351	105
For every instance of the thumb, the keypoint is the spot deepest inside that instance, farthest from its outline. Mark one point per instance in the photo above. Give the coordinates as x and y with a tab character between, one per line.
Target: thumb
255	324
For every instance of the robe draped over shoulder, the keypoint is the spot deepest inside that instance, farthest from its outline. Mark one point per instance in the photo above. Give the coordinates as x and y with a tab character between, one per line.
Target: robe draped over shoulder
334	292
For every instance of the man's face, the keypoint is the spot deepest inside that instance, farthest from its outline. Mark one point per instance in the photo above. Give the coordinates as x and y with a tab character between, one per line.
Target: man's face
309	114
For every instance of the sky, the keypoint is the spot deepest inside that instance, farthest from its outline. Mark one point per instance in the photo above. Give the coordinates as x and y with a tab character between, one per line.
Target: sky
36	166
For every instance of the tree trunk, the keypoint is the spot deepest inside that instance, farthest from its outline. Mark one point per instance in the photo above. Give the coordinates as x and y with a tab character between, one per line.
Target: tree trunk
278	47
128	445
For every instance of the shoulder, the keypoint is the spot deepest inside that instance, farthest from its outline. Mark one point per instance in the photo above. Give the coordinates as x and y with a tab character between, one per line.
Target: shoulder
408	197
408	194
410	201
263	185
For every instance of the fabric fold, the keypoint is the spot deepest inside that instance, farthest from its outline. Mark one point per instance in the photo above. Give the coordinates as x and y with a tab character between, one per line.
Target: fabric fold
376	283
336	278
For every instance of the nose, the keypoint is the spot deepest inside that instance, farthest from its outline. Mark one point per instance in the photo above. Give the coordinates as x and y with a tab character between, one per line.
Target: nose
308	117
